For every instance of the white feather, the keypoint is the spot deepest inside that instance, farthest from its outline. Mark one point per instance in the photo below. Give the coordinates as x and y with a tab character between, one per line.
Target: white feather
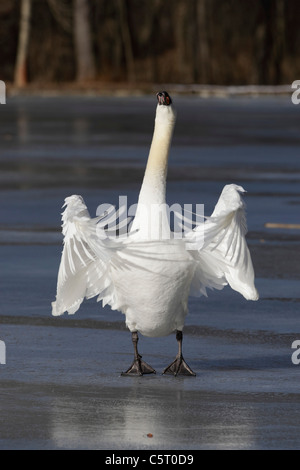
149	275
225	250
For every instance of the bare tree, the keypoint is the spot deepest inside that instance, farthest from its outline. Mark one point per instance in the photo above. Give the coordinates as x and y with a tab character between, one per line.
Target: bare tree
180	37
188	41
279	41
62	12
147	38
22	53
270	37
86	69
126	38
202	46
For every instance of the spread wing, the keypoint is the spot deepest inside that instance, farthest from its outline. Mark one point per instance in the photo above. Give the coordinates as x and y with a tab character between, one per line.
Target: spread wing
92	254
223	256
83	270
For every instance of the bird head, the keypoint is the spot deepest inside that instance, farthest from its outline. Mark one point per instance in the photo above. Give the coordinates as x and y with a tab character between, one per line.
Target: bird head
163	98
165	111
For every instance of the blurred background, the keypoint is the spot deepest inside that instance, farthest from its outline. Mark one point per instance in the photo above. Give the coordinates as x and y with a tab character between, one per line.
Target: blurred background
224	42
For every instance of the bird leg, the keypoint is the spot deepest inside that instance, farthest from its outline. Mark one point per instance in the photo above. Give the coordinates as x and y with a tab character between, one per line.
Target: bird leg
179	366
138	367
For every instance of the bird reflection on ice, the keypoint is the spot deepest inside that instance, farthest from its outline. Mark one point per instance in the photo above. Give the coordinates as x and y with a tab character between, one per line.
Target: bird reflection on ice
123	418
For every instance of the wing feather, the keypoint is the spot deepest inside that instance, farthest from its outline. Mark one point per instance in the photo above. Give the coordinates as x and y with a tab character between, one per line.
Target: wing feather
224	257
83	270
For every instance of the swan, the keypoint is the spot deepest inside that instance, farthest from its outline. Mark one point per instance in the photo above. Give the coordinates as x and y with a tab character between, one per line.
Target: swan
149	274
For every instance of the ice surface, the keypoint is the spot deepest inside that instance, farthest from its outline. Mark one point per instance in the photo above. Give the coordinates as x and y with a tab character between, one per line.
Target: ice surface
61	385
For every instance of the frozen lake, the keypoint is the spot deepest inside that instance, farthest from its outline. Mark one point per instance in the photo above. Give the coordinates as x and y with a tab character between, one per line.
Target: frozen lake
61	384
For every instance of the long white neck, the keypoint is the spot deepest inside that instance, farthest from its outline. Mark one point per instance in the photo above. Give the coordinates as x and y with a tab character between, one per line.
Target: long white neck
153	190
150	219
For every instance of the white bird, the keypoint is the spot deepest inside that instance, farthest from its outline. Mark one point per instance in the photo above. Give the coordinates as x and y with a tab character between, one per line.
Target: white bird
149	274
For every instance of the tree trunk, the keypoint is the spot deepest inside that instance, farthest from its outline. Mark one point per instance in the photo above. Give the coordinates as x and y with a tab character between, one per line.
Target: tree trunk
20	78
202	47
279	40
264	46
180	38
126	37
86	69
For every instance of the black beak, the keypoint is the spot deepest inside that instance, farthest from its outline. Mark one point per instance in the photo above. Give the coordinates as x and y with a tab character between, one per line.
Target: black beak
163	98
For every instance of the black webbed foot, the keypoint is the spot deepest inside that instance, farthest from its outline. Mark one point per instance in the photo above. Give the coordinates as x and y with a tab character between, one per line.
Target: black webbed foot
138	367
179	366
